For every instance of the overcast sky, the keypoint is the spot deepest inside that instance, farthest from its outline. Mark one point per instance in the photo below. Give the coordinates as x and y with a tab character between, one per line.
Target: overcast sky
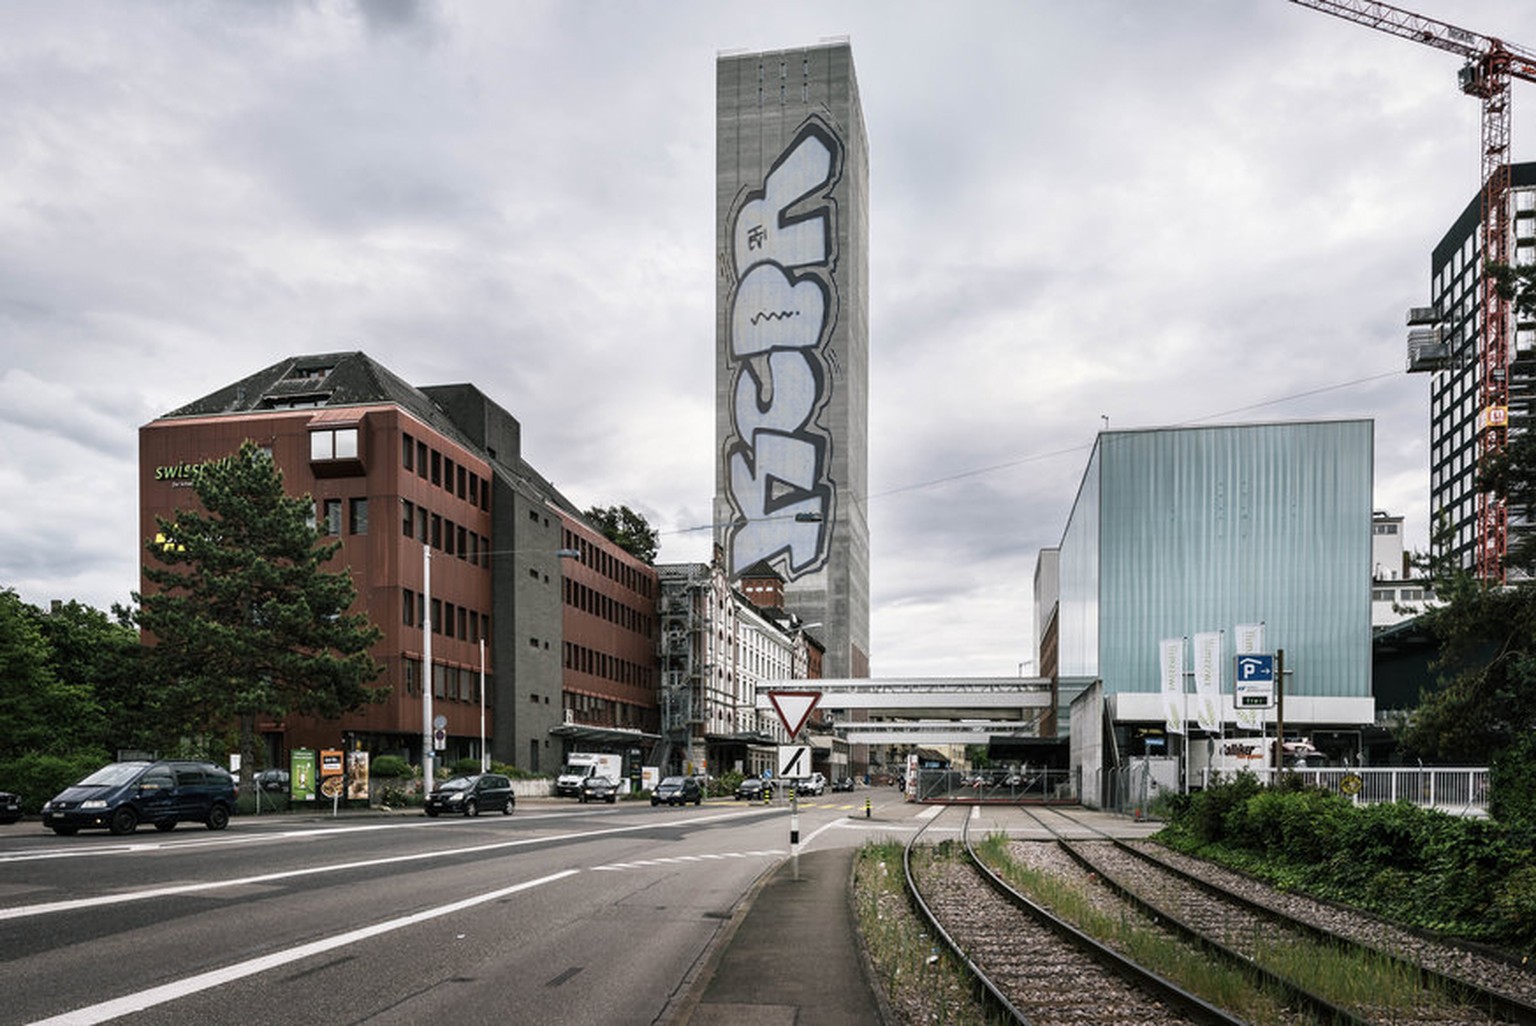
1160	213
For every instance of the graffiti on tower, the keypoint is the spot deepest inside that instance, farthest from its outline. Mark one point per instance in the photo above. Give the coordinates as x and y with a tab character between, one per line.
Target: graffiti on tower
783	306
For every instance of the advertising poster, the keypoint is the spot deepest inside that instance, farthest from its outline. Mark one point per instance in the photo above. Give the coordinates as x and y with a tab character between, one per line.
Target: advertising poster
332	772
301	774
357	775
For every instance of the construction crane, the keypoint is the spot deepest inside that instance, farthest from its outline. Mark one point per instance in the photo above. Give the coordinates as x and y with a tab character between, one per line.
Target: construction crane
1490	65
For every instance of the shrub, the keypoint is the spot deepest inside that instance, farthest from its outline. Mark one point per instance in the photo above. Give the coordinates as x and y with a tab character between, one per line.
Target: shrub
391	767
1512	785
38	778
1467	877
1513	900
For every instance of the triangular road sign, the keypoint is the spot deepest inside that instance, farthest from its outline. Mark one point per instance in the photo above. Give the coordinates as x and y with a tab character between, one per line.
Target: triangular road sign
794	708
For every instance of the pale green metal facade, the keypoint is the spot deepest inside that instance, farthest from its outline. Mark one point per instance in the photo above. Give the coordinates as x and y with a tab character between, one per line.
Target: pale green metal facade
1183	530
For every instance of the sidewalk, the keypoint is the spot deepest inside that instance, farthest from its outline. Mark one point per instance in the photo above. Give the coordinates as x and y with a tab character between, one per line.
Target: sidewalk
791	955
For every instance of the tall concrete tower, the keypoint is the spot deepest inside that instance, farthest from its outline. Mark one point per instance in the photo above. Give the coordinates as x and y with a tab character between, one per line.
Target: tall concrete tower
792	335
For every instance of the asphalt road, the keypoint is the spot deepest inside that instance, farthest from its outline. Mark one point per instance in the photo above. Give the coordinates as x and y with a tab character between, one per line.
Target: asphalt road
560	913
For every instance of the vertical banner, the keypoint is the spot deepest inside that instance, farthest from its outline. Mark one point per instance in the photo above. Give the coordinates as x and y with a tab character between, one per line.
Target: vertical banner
1249	640
1208	681
1171	659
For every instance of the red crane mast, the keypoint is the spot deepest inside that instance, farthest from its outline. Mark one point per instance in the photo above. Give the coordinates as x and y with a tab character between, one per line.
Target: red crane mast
1490	65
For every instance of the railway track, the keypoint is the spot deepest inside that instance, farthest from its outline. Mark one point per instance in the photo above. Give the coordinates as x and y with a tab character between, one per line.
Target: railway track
1034	968
1287	937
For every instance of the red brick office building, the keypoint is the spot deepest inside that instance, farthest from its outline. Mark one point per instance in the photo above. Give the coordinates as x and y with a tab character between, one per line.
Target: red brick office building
522	589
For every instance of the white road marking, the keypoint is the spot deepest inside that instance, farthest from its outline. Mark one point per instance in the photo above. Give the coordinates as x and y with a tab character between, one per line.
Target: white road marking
674	860
108	1010
45	908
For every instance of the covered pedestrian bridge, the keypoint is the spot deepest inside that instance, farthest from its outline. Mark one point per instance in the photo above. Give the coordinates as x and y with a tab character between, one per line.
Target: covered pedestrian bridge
927	710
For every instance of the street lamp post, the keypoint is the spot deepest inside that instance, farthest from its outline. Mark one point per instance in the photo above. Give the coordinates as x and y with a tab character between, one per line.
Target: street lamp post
485	755
426	670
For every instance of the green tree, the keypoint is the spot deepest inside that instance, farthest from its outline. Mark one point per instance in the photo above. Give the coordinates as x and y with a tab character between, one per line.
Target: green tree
628	530
1485	707
101	653
39	713
246	620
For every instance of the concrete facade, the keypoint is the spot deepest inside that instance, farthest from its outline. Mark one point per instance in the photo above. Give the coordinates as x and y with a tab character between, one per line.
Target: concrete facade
792	335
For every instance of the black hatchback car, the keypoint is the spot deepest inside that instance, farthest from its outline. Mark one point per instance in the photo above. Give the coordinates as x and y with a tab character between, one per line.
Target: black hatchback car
598	788
10	807
122	795
472	795
678	791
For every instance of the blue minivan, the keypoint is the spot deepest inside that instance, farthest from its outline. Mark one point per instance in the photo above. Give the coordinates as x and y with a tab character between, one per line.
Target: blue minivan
124	794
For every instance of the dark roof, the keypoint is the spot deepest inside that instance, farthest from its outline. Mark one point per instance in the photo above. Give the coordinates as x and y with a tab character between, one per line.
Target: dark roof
329	380
315	380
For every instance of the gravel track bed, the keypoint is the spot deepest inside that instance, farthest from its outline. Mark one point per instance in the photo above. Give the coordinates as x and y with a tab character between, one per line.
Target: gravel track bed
1450	959
1049	857
1049	980
1246	931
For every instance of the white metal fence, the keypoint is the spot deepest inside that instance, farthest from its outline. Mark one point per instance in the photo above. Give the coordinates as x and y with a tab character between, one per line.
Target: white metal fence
1462	791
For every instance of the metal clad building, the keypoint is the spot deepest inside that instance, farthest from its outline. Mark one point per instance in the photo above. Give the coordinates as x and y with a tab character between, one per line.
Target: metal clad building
1187	530
792	335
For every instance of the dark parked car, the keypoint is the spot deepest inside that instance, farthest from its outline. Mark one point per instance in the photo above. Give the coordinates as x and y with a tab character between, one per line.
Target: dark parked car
678	791
752	789
124	794
843	784
10	807
272	780
598	788
472	795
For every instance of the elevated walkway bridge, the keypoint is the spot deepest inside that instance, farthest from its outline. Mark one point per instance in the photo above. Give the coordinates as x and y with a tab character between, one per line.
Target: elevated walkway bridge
926	710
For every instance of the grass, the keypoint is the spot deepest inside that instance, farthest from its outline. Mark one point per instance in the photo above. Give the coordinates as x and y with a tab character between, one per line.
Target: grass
921	980
1347	976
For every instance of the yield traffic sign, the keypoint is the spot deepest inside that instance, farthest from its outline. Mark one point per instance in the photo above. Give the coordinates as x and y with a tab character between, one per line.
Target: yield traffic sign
794	708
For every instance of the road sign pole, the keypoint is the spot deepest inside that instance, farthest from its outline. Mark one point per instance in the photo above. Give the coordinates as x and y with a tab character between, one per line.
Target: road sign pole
1279	712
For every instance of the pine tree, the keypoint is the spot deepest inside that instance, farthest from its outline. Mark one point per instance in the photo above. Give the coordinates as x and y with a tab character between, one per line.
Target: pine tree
245	619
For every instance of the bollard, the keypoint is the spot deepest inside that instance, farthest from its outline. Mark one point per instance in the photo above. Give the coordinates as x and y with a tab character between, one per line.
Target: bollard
866	808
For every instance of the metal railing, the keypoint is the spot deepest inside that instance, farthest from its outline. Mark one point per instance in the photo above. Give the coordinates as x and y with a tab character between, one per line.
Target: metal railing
1044	785
1133	790
1462	791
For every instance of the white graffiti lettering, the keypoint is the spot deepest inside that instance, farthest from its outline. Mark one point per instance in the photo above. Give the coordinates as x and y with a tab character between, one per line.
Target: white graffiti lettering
783	307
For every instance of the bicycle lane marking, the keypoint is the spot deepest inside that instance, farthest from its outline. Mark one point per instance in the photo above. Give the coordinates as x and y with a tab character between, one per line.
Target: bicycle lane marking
118	1007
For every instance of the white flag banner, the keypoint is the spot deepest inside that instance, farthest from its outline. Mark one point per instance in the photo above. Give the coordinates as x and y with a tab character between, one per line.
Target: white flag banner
1208	681
1249	640
1171	659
